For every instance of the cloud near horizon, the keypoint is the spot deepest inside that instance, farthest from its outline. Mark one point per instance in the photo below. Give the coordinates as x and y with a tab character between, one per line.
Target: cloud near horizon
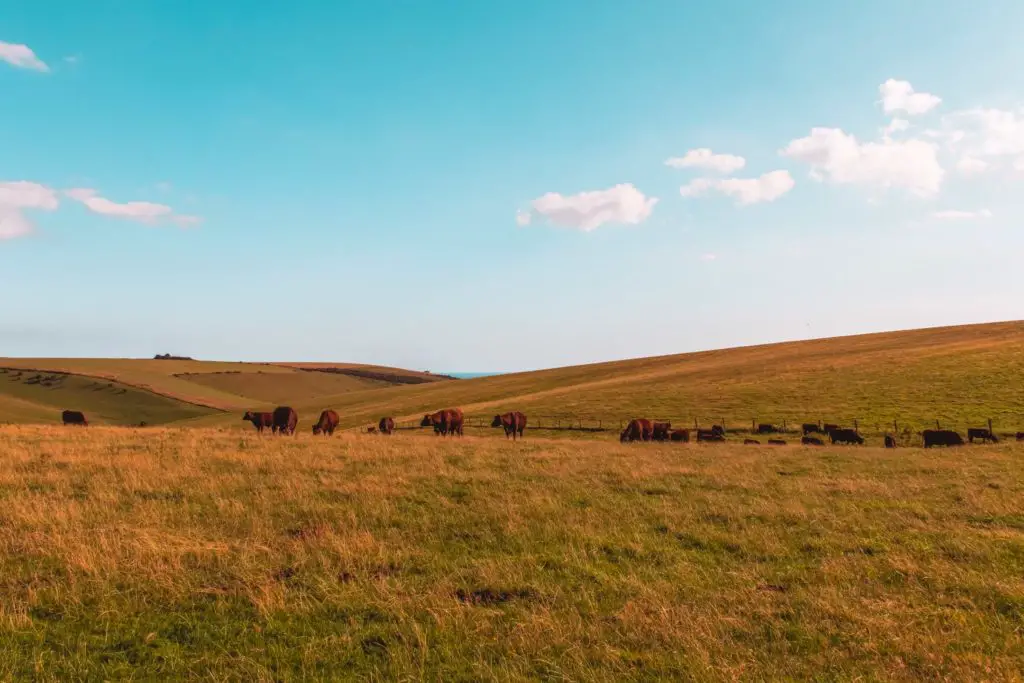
621	204
21	56
953	215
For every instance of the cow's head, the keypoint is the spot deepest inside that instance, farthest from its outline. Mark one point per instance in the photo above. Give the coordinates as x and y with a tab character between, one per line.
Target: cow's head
496	422
316	428
426	421
624	436
248	416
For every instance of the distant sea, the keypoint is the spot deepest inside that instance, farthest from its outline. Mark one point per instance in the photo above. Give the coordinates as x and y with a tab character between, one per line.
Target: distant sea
471	375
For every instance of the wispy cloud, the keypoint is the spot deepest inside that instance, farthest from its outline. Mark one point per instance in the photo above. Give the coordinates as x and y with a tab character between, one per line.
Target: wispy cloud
706	159
142	212
953	215
21	56
586	211
765	188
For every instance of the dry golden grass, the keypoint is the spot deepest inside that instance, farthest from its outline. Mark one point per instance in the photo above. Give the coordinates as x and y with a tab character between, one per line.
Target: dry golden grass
170	553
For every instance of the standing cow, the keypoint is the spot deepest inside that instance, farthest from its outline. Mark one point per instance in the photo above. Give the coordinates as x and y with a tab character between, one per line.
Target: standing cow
327	423
513	423
941	437
444	422
386	425
849	436
74	417
682	435
661	431
981	434
284	420
260	421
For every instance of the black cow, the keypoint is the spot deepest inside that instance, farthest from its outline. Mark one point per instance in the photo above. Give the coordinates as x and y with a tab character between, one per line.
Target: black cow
890	441
1020	436
776	442
768	429
661	431
682	435
712	434
826	428
941	437
751	442
811	428
811	441
284	420
327	423
849	436
74	417
386	425
980	434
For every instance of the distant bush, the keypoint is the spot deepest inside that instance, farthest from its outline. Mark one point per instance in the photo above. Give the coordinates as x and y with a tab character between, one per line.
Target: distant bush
167	356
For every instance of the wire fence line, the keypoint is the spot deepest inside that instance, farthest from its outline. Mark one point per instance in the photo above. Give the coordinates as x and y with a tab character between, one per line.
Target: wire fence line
578	423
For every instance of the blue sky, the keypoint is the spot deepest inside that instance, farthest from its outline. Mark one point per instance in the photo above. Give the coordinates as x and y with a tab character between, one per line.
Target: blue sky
470	186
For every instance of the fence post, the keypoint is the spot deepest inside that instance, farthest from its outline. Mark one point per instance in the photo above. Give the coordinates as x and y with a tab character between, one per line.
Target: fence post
937	425
753	425
856	427
990	425
785	427
895	427
695	425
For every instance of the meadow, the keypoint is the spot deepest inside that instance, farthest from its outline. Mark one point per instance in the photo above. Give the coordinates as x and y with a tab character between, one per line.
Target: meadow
218	554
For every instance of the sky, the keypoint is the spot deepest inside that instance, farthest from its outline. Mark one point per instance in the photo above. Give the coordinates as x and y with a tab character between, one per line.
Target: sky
474	186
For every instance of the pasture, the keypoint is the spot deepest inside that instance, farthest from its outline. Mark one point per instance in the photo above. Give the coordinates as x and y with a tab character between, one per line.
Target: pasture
172	553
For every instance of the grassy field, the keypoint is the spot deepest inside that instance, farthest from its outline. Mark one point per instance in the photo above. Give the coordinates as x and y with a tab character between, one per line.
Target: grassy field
171	553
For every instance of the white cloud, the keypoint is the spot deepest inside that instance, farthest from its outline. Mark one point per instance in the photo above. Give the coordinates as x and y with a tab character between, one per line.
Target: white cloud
588	211
706	159
837	157
953	215
708	257
766	188
21	56
900	96
971	165
144	212
984	132
897	125
16	198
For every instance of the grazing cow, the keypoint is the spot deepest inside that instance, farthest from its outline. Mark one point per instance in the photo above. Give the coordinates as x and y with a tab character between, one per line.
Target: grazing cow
260	421
811	428
981	434
941	437
74	417
386	425
284	420
680	435
890	441
143	424
776	442
828	428
661	431
811	441
713	434
849	436
327	423
639	429
371	430
513	423
768	429
444	422
751	442
1020	436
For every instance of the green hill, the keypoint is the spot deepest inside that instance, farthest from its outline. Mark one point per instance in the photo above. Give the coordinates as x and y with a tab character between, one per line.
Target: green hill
957	375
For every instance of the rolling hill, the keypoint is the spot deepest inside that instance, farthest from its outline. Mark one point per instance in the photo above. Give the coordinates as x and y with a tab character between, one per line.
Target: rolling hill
957	375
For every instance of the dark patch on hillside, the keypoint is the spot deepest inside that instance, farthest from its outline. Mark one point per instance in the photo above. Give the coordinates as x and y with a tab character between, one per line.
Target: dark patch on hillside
389	377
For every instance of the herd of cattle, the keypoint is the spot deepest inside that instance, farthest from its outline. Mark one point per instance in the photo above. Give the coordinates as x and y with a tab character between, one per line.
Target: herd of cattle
450	422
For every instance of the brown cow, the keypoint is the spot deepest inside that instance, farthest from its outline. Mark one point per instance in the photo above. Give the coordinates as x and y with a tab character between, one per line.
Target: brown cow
327	423
661	431
639	429
890	441
284	420
513	423
260	421
74	417
386	425
680	435
444	422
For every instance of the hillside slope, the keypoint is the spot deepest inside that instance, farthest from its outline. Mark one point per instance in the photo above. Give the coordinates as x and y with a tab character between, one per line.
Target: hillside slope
958	375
